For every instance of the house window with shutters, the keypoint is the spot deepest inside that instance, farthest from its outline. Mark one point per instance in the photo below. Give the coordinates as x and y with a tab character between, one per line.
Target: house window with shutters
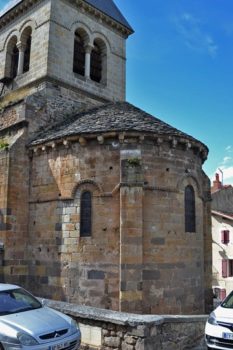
86	214
227	268
190	211
225	236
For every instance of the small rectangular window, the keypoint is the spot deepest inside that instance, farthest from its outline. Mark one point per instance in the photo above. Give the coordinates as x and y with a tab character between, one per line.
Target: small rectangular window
225	236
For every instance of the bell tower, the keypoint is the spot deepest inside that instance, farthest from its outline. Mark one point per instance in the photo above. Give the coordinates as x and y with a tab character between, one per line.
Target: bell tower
76	46
57	58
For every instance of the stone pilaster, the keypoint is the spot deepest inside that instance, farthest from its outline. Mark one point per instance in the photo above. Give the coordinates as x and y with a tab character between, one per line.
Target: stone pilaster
131	232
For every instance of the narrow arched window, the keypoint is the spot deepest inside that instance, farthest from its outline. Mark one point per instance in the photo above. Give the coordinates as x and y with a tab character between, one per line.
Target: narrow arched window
12	58
96	63
14	61
86	214
27	52
190	211
79	54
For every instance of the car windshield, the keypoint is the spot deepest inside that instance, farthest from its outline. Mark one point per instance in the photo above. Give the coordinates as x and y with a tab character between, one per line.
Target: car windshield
228	302
17	300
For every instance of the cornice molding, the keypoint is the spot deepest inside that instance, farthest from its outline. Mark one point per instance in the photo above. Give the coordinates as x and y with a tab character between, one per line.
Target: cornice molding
140	137
24	5
16	11
105	18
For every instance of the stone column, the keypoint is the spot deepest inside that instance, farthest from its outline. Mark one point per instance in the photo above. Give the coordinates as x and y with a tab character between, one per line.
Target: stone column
131	235
88	49
21	49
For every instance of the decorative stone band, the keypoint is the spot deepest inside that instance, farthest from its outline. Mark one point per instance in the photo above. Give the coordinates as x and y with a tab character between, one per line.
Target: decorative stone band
23	5
123	137
141	332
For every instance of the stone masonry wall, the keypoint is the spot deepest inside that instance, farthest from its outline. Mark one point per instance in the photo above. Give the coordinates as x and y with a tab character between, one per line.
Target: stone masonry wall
62	40
37	17
53	24
14	167
106	330
86	270
4	210
12	115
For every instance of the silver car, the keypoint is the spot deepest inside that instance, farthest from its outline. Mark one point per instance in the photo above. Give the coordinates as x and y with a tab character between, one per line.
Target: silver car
27	324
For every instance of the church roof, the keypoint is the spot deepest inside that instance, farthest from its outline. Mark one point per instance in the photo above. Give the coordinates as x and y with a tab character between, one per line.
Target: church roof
106	6
109	8
111	117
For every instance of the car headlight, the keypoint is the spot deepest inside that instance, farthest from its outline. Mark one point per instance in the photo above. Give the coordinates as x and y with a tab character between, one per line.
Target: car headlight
212	319
74	325
26	339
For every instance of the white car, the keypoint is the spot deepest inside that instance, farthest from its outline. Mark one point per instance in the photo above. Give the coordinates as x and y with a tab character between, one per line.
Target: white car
219	326
26	324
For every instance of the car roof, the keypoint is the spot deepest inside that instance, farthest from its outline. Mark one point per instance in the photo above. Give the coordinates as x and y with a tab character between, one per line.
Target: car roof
5	286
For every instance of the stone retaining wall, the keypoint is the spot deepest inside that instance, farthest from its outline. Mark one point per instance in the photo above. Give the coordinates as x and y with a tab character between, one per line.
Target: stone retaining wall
110	330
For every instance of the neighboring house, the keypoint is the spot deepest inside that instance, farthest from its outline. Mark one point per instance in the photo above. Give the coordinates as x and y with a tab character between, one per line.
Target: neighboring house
100	203
222	237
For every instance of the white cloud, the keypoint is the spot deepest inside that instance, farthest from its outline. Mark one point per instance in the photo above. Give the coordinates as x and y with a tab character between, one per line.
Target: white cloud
226	160
194	35
229	149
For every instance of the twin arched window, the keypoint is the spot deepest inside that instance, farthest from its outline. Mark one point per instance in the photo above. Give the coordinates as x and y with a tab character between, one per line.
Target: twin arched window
18	54
89	61
190	211
86	214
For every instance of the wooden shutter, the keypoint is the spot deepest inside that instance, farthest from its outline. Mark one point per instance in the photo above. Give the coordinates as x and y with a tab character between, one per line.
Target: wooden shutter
222	294
224	267
222	236
225	236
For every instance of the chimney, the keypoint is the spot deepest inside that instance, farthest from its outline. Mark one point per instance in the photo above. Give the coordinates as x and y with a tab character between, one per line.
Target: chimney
217	184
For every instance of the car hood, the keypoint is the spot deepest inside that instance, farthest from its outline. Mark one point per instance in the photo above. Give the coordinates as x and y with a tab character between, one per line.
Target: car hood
35	322
224	314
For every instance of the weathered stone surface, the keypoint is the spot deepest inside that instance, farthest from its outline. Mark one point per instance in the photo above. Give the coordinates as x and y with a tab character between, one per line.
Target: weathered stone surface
113	342
135	167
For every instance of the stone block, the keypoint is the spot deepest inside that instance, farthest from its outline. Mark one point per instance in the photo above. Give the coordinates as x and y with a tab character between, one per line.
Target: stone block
151	275
113	342
96	275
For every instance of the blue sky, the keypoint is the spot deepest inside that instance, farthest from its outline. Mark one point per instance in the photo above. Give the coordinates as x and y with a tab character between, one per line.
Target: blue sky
180	69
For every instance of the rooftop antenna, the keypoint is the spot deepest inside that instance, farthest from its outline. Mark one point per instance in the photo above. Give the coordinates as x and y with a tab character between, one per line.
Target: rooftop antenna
222	174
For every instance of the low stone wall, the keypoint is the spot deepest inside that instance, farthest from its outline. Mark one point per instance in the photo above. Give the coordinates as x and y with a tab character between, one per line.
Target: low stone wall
110	330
